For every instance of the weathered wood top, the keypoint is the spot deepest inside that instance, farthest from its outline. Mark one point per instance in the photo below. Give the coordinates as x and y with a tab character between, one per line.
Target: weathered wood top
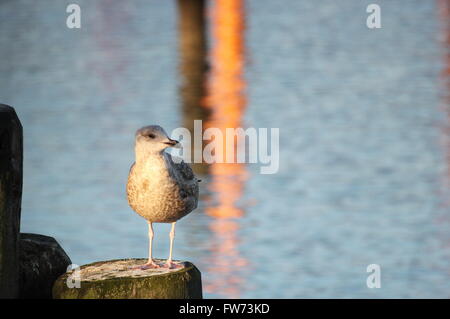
120	279
122	268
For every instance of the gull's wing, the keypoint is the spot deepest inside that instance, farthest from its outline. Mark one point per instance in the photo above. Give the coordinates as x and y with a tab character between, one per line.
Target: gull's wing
186	179
183	169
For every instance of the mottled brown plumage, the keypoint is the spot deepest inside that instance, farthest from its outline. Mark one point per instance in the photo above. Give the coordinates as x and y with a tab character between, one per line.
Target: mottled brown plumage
161	190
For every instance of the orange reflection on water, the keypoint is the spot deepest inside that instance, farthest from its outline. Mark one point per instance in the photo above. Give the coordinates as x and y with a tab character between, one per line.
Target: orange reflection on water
444	15
225	260
226	102
444	218
444	12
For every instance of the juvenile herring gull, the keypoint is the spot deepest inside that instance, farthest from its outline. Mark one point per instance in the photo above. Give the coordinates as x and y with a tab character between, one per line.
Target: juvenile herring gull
160	189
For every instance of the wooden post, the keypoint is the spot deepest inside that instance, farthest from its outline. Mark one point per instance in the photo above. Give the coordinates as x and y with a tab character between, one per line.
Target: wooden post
116	279
42	261
11	158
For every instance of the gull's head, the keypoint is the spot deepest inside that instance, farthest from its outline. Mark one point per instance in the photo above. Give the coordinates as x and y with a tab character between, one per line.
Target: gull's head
153	138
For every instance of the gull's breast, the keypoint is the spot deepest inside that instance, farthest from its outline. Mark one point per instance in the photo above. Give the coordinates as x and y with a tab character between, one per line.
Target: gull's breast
155	195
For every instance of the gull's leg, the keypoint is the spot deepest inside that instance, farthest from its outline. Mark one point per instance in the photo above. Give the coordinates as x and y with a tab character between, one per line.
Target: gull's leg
169	263
150	263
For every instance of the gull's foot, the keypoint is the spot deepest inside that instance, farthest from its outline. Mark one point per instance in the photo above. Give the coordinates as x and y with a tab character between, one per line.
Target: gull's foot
151	265
171	265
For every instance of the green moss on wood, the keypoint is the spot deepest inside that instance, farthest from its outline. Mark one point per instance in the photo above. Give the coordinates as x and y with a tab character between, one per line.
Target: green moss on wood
184	283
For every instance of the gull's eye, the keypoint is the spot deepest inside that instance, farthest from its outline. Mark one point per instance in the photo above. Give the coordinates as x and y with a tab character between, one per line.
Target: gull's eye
151	135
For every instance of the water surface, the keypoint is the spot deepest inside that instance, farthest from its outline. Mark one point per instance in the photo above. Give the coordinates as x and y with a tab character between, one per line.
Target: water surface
364	142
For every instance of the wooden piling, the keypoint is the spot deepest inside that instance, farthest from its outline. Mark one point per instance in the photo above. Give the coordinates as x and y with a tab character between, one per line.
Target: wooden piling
116	279
42	261
11	159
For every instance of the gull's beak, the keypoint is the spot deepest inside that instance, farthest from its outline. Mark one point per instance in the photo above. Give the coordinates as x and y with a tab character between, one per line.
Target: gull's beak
173	143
